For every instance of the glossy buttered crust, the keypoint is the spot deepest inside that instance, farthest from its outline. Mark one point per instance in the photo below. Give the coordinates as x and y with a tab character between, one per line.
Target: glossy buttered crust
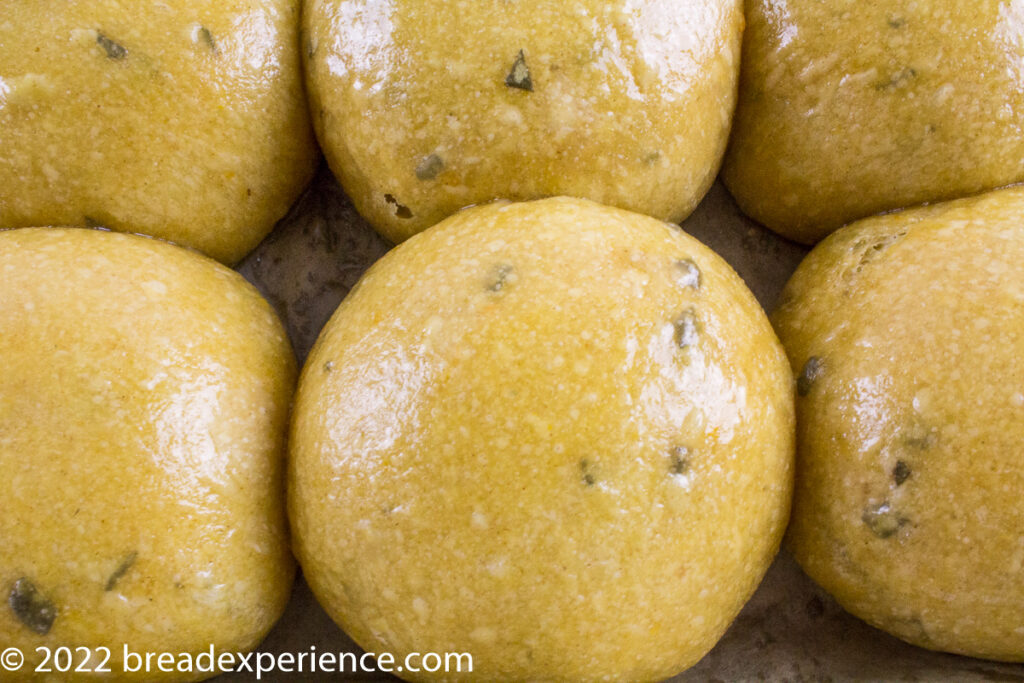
183	120
425	108
908	335
555	435
143	406
848	109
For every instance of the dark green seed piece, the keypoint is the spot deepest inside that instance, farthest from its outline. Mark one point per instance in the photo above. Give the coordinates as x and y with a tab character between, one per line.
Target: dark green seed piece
499	278
586	471
31	608
113	50
689	273
897	80
883	521
679	460
651	158
401	210
430	167
687	329
900	473
519	76
207	38
813	369
121	570
897	22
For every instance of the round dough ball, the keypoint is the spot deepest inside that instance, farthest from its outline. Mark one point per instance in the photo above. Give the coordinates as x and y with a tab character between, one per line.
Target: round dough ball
425	108
908	332
143	407
185	121
554	435
848	108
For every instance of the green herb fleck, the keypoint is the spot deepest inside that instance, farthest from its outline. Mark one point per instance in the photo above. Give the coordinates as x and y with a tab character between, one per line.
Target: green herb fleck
114	50
429	167
519	76
897	22
679	460
586	470
897	80
401	211
651	158
900	473
121	570
883	521
31	608
328	366
206	37
687	329
91	222
689	274
813	369
500	277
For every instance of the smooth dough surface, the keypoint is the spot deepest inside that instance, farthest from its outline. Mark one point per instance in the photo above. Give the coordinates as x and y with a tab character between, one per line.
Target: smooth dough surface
143	407
908	334
849	108
425	108
554	435
185	120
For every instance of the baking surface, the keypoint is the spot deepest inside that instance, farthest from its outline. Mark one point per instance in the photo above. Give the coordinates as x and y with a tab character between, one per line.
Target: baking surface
790	630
